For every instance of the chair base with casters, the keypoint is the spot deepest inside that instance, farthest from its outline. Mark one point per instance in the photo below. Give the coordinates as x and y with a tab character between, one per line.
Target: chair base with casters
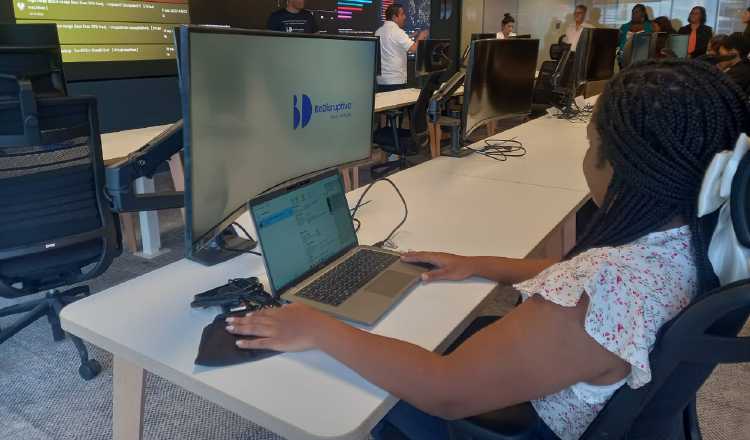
50	306
393	140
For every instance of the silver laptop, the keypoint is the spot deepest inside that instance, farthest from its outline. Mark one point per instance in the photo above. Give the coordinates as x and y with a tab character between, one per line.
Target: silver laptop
312	256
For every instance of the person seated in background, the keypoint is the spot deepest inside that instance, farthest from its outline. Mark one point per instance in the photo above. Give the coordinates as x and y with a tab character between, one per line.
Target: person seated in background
586	325
714	43
639	22
293	18
395	44
737	67
663	24
506	27
700	34
745	17
573	32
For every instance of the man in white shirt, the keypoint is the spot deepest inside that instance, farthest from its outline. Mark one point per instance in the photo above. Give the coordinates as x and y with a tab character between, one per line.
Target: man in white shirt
573	32
394	46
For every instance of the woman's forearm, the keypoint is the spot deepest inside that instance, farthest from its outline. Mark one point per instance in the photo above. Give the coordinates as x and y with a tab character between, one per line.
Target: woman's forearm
405	370
509	270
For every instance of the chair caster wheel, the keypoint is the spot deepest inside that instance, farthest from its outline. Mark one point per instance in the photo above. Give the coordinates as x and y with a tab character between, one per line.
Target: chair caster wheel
90	369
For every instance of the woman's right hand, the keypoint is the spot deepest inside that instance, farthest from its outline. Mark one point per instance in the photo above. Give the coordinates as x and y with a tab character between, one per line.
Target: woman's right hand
446	266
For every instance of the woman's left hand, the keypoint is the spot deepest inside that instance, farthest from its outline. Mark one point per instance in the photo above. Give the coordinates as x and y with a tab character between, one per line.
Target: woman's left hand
293	327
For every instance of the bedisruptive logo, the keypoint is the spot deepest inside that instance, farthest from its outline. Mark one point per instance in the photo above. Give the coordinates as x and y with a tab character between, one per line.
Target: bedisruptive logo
304	109
303	113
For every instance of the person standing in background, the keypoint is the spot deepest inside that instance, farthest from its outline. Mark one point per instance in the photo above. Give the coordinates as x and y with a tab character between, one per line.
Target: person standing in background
395	44
506	27
700	34
573	32
293	18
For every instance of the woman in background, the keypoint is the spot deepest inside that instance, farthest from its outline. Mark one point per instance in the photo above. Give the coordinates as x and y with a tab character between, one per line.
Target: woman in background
639	22
700	34
506	27
664	25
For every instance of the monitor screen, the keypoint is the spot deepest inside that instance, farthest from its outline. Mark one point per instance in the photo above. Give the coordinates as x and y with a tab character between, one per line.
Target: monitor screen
432	56
110	39
678	44
255	119
303	228
349	17
603	51
499	80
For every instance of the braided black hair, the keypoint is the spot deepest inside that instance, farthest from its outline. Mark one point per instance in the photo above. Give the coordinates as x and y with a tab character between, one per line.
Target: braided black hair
661	123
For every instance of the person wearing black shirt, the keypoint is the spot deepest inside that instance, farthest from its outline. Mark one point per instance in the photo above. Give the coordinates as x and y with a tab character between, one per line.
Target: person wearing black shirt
738	67
699	33
293	18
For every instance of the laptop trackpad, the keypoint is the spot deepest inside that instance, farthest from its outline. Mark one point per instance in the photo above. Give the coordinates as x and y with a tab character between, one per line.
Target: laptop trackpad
390	283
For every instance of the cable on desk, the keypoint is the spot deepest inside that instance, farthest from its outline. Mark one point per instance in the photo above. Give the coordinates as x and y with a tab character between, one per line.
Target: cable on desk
241	251
359	204
501	149
576	114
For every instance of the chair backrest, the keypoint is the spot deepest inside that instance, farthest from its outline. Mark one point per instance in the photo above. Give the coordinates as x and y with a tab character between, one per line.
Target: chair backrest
31	52
419	132
56	227
687	350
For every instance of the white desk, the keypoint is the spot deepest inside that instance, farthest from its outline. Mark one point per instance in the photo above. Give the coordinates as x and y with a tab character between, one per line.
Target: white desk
310	395
400	98
555	150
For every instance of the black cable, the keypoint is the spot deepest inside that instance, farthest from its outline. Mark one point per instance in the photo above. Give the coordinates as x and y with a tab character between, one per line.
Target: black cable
359	204
501	149
240	251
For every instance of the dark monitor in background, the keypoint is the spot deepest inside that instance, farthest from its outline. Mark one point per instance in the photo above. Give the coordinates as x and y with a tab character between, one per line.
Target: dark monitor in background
31	53
483	36
432	56
254	120
499	81
594	58
678	45
659	41
639	48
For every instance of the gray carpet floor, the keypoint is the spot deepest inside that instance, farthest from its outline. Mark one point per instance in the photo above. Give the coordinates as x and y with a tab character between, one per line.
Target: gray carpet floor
43	398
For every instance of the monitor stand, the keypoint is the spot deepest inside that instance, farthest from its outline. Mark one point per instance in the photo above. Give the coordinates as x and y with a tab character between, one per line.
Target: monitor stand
456	148
216	251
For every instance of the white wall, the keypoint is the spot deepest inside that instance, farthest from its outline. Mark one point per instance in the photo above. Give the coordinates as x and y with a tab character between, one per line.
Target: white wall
545	20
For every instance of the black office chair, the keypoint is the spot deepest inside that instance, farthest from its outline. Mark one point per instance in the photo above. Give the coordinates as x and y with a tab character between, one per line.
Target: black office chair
403	142
555	75
56	228
687	350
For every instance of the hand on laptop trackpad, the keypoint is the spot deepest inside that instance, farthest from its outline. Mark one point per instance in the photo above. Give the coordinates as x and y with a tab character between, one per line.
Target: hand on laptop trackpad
390	283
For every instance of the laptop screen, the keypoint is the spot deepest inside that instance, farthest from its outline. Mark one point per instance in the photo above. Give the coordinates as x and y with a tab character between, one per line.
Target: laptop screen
303	229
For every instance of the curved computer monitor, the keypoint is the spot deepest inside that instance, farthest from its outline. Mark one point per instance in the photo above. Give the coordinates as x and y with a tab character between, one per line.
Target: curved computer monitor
499	81
432	56
257	114
639	48
595	55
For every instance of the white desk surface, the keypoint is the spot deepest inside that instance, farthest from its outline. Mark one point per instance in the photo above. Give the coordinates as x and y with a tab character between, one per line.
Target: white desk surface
400	98
148	320
119	144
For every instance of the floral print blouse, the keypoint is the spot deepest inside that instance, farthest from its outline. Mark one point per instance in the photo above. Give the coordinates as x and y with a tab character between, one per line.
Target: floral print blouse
633	290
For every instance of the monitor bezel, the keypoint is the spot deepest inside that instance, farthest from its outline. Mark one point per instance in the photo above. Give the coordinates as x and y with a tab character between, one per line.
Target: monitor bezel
194	244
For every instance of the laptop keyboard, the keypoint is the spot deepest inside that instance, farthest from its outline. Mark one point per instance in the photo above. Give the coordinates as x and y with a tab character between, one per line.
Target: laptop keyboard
341	282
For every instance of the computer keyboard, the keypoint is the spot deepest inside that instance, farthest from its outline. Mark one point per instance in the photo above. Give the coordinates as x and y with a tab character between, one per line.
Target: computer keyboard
339	283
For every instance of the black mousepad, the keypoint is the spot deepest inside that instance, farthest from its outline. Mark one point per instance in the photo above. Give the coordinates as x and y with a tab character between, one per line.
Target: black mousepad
218	349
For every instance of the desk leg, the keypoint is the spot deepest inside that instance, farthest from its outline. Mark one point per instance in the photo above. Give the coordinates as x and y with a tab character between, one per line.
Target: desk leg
150	238
434	132
127	400
177	169
569	234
